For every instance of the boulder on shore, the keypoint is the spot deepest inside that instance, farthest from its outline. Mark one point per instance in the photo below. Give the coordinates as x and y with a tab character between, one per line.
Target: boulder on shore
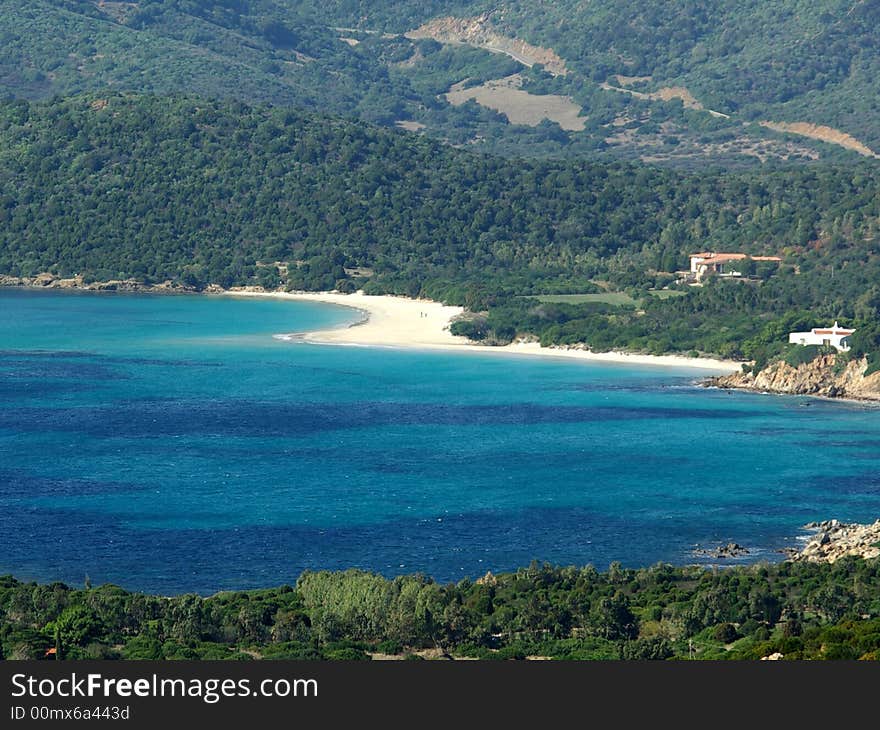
835	540
731	550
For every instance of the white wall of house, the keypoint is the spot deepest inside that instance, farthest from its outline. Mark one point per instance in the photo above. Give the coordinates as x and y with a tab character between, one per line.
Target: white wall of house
835	337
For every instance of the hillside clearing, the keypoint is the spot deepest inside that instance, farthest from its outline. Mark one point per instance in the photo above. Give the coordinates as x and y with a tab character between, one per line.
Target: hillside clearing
666	93
479	32
520	107
822	133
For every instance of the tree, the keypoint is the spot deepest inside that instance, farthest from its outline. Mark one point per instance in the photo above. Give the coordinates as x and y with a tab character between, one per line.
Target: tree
613	619
73	629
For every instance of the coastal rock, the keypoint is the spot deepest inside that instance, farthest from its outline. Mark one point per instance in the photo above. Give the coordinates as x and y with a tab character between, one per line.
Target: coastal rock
731	550
824	376
247	289
835	540
50	281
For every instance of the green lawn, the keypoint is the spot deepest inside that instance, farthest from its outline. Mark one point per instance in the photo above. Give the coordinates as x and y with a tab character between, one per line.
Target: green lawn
617	298
666	293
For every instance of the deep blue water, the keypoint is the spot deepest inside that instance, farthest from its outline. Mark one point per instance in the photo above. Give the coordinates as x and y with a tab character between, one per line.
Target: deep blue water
170	444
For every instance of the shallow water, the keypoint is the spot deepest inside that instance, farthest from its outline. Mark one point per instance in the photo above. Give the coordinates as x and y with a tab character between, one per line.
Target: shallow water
171	444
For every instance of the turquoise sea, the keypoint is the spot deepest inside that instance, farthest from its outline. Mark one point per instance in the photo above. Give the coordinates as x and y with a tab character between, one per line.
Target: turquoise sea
171	444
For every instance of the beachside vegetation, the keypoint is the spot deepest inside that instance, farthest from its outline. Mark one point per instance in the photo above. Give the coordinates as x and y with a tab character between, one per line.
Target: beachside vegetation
801	610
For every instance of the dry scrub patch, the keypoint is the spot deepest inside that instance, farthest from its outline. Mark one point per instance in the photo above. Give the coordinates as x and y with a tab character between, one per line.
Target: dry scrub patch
409	125
520	107
823	133
479	32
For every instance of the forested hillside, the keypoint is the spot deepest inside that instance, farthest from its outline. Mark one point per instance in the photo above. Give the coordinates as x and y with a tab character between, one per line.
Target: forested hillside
777	62
205	192
802	611
790	60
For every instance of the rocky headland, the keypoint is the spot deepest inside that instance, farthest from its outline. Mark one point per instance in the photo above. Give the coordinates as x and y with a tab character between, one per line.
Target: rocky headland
834	540
831	541
824	376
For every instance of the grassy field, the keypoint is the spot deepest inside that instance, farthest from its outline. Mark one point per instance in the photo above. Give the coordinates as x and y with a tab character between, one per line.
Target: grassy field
617	298
666	293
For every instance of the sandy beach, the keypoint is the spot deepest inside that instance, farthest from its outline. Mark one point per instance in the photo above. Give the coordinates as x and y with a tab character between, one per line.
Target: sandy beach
389	321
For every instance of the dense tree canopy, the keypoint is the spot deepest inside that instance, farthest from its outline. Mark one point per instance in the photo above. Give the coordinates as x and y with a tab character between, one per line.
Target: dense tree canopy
803	610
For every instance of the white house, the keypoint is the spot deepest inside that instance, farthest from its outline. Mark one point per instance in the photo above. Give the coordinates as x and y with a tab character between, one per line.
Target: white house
835	336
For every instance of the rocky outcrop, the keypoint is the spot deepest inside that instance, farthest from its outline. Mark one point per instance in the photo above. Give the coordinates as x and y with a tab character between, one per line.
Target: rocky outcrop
50	281
487	580
835	539
731	550
824	376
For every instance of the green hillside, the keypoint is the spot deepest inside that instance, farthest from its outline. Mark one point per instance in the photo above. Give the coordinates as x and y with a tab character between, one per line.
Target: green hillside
207	192
789	60
771	61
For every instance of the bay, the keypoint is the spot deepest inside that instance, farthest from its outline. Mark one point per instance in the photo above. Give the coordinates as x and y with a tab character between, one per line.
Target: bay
171	444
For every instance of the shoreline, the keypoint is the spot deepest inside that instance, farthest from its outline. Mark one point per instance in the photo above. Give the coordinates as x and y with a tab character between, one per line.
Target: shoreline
850	399
821	378
387	321
833	540
400	322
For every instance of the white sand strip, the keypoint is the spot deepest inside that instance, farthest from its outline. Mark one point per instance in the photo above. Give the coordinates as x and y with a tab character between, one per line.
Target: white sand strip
422	324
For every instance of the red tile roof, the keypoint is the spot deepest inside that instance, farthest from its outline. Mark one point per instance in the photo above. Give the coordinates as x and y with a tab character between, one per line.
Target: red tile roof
722	257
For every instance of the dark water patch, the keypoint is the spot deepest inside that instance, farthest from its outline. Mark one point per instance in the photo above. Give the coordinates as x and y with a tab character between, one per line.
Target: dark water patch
862	450
346	374
396	466
149	418
21	358
30	389
24	377
776	506
824	434
156	362
448	547
47	354
865	484
12	370
233	451
18	484
770	431
845	444
604	387
862	455
501	462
